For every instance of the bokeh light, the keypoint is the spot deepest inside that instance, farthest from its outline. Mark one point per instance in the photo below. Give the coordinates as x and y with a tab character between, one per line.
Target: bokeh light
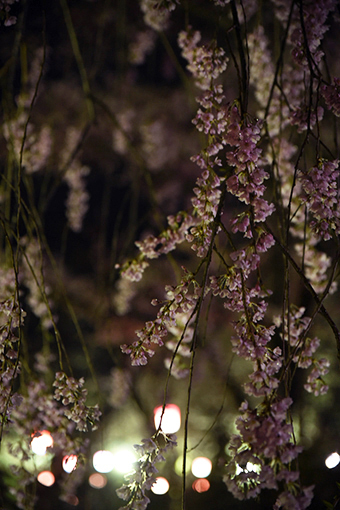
332	460
46	478
161	485
69	463
97	481
103	461
41	441
171	419
123	460
71	499
201	467
250	467
179	466
201	485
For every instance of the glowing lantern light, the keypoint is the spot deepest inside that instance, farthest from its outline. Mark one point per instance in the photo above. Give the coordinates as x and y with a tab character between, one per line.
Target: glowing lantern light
161	486
69	463
124	460
103	461
201	485
201	467
41	441
97	481
332	460
46	478
171	419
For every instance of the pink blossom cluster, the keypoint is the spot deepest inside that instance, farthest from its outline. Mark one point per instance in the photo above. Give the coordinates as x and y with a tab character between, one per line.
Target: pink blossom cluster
321	197
205	63
72	394
180	346
78	196
152	247
331	95
247	182
288	101
179	301
156	12
38	143
5	8
316	263
205	204
252	336
141	480
119	386
9	365
74	174
261	75
38	411
123	295
32	276
303	349
262	453
315	15
11	318
133	269
196	227
141	46
212	121
305	117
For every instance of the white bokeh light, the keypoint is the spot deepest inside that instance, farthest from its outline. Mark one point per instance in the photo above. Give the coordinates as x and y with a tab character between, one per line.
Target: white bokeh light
161	486
250	467
103	461
332	460
69	463
41	441
124	460
201	467
171	419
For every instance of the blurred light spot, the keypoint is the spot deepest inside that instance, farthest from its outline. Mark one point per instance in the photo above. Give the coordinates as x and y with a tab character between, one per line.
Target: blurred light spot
46	478
97	481
69	463
171	420
256	468
201	485
71	499
238	470
179	466
123	461
250	467
201	467
161	486
41	441
103	461
332	460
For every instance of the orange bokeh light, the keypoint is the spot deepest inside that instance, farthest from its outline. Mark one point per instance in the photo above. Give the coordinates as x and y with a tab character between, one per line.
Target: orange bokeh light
97	481
46	478
201	485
